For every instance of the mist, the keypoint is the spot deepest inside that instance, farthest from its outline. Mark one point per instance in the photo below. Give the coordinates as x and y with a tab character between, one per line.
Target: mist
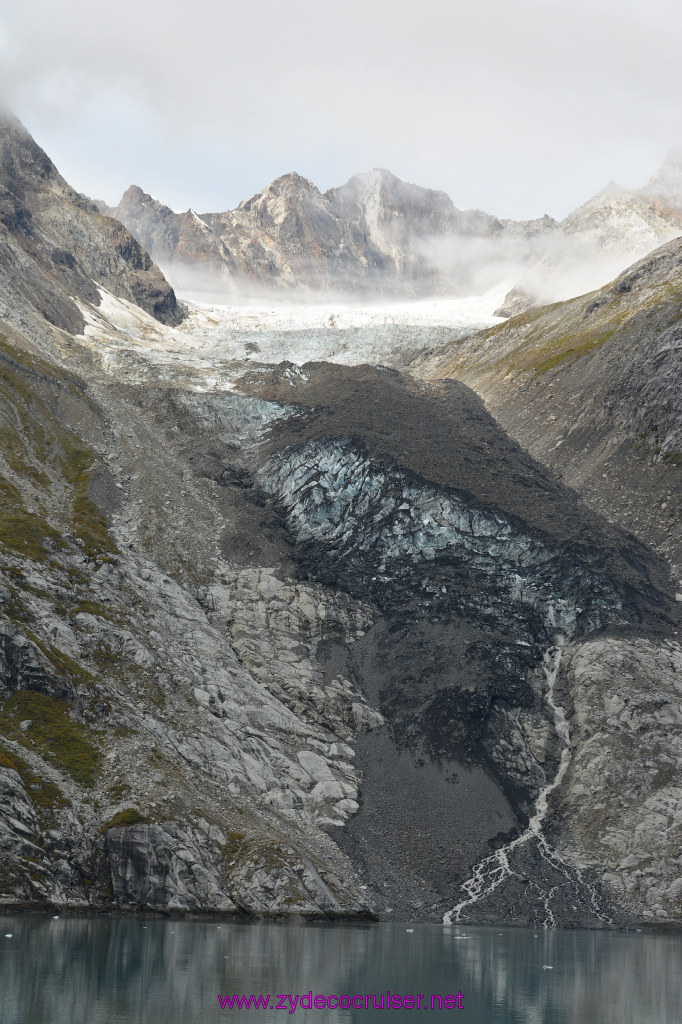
548	268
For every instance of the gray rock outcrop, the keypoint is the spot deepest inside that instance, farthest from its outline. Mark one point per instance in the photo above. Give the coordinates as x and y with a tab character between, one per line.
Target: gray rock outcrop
620	809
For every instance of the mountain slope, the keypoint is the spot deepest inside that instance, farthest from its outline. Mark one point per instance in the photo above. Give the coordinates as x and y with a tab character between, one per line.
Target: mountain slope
323	640
358	588
593	388
55	246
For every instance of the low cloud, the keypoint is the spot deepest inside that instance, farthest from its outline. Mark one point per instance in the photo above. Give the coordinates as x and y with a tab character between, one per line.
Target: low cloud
550	267
517	111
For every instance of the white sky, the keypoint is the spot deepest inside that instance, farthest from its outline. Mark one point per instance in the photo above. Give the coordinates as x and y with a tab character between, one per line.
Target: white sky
518	108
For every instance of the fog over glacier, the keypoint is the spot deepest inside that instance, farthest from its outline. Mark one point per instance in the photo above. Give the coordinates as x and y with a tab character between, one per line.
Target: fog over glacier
220	340
517	111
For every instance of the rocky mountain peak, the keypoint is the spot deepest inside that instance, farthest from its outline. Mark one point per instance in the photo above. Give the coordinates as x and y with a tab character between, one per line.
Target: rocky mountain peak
25	169
667	181
381	234
292	182
621	222
135	196
135	193
288	188
613	188
610	196
382	196
153	224
369	183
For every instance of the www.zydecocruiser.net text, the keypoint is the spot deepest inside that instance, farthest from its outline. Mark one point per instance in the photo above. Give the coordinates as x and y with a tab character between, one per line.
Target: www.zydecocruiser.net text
374	1001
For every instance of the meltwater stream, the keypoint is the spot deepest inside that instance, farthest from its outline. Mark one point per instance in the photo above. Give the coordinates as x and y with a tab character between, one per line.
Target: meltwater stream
489	874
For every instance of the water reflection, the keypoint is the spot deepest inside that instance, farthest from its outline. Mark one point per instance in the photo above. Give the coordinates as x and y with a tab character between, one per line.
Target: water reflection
117	971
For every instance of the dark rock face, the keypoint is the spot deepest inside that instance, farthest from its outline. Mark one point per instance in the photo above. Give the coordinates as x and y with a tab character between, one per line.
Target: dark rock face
159	867
22	666
55	245
19	832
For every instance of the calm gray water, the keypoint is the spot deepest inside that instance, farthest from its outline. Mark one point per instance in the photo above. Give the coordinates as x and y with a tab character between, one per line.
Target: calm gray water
98	971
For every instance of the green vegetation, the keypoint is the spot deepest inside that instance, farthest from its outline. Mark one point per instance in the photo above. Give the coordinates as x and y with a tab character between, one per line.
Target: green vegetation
93	608
119	790
129	816
61	662
524	319
235	841
77	577
104	658
265	853
23	531
543	345
53	733
672	458
235	848
54	463
154	691
44	794
87	522
572	347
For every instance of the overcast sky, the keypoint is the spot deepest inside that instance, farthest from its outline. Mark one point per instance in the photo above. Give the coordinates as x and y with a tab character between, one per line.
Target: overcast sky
519	108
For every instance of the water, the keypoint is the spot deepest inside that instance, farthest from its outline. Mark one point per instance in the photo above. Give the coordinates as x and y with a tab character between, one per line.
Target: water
489	874
120	971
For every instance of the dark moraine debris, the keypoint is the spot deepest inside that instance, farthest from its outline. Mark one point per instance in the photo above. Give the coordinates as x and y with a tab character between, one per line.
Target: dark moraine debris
477	560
